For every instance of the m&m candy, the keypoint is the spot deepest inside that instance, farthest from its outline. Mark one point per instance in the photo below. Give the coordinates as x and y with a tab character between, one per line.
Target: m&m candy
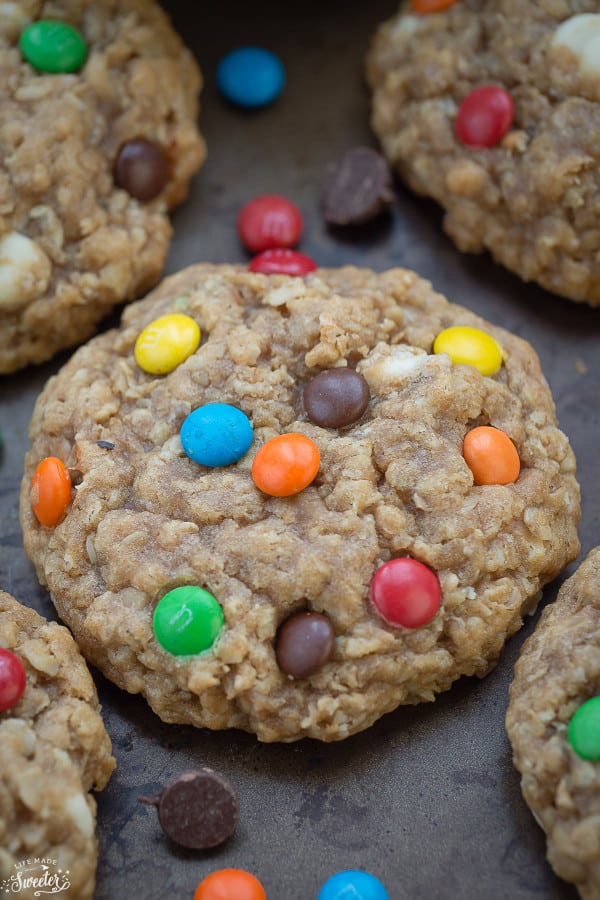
282	261
405	593
426	7
216	434
304	644
187	620
286	464
269	221
251	77
50	492
484	116
584	730
353	884
142	169
230	884
491	456
166	342
13	679
472	346
52	46
336	397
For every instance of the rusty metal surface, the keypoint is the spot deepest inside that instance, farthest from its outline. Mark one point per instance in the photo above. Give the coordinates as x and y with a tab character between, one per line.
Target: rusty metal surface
427	799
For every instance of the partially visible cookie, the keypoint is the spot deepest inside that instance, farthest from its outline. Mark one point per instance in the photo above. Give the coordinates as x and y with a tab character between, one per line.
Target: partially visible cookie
559	671
264	517
527	189
53	750
92	159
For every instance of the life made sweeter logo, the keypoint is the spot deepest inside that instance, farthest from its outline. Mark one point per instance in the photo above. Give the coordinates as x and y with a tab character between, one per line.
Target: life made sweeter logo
38	875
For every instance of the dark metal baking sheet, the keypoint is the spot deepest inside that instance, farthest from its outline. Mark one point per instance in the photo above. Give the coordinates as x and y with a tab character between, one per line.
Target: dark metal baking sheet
427	799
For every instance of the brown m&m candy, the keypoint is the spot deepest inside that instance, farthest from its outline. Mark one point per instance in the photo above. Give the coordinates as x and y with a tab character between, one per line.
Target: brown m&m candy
336	397
198	809
141	169
304	644
358	187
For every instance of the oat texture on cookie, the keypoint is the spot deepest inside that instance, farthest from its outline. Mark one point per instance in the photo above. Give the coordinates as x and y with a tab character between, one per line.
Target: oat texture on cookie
53	751
282	532
493	109
553	723
98	140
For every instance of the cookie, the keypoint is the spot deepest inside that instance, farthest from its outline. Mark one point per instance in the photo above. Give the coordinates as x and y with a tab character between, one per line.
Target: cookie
556	676
98	140
248	557
515	166
53	751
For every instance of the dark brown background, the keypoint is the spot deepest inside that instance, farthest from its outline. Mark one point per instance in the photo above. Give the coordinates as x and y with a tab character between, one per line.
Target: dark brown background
427	799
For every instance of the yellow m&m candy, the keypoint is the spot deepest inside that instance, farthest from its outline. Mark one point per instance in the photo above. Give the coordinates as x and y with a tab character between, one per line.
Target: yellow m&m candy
166	343
471	346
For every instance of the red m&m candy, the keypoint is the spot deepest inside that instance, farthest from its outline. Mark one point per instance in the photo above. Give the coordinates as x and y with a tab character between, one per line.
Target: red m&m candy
269	221
12	679
281	261
406	593
484	116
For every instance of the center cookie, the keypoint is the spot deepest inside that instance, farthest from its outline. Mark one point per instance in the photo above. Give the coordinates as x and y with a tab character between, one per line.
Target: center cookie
254	502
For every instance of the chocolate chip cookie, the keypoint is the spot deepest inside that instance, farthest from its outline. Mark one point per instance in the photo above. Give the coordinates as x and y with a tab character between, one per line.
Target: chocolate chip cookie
98	140
553	722
251	502
53	751
492	108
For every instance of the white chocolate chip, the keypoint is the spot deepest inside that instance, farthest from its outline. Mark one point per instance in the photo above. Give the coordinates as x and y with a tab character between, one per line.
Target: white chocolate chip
79	812
387	367
24	271
13	20
581	35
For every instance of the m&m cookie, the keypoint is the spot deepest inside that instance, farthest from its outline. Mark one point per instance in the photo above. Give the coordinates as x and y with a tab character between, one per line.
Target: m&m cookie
290	503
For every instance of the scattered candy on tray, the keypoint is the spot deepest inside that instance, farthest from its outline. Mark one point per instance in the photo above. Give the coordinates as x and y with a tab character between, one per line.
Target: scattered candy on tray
491	455
484	116
353	884
282	261
584	730
251	77
405	593
269	221
358	187
198	809
472	346
166	342
230	884
286	464
336	397
52	46
142	169
50	492
187	620
216	434
304	644
13	679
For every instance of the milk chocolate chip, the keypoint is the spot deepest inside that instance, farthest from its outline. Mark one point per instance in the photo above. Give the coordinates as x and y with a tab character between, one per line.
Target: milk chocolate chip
198	809
358	187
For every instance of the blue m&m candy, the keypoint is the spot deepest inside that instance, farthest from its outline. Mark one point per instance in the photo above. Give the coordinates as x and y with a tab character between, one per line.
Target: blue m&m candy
251	77
353	885
216	434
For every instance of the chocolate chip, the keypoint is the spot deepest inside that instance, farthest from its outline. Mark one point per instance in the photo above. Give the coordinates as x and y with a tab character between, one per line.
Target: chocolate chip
198	809
142	169
358	187
336	397
106	445
304	644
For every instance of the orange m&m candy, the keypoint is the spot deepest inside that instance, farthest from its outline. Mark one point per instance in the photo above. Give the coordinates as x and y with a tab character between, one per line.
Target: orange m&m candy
286	464
50	492
491	456
425	7
230	884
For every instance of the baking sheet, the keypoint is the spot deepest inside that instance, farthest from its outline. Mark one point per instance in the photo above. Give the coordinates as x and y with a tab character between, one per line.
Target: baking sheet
427	799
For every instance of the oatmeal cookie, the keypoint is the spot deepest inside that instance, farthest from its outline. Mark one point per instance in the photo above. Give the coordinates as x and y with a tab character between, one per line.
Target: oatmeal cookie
558	673
53	751
280	532
516	168
98	140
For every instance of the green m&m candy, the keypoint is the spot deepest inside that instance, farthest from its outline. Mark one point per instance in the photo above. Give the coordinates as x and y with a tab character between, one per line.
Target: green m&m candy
187	620
53	46
584	730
